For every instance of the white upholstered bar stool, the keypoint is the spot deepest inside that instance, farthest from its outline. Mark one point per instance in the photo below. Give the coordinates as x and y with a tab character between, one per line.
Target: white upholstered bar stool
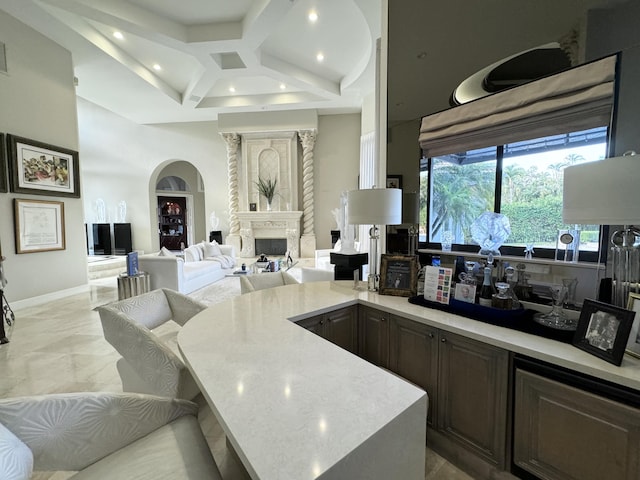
149	364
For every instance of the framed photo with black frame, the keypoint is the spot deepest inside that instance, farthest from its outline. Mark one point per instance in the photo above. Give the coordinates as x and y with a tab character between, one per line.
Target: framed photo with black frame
38	168
398	275
394	181
633	344
603	330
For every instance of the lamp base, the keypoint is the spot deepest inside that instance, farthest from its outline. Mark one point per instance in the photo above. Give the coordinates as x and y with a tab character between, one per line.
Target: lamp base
626	264
373	281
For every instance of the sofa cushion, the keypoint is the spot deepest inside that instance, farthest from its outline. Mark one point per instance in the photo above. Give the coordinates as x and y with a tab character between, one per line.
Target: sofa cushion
177	450
16	459
165	252
192	254
198	269
225	261
212	249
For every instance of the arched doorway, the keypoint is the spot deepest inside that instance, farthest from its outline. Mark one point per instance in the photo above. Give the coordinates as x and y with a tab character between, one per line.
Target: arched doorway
179	205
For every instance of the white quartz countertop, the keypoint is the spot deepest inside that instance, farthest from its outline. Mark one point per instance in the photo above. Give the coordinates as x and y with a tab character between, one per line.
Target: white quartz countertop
294	405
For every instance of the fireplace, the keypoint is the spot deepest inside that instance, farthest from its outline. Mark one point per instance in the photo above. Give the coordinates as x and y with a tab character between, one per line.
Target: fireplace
271	246
280	227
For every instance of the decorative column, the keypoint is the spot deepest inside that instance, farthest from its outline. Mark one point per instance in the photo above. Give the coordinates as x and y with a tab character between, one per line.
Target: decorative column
308	240
233	141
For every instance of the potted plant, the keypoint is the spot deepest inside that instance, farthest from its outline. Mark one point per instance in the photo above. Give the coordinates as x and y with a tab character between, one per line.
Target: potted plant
267	188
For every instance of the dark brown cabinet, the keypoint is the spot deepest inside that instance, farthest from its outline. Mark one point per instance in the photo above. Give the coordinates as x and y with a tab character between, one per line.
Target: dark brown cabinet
563	432
373	332
467	382
413	354
172	225
339	327
473	381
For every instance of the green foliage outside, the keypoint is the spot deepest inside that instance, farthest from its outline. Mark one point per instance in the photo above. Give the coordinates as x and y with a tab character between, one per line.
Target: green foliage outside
531	199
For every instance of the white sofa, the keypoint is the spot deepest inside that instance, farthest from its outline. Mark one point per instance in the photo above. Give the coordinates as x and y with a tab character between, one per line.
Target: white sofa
197	268
104	436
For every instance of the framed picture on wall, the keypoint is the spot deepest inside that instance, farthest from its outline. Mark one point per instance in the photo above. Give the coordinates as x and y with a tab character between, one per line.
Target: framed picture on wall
394	181
39	225
41	169
3	166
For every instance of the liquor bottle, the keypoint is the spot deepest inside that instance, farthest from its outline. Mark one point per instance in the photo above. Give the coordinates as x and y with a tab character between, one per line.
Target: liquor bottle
486	290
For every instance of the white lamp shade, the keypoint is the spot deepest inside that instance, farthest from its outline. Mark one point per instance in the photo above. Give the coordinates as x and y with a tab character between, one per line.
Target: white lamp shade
376	206
603	192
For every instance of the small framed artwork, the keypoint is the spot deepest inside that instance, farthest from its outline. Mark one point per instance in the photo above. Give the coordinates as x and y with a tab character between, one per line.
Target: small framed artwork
3	166
398	275
253	207
603	330
41	169
39	225
633	344
394	181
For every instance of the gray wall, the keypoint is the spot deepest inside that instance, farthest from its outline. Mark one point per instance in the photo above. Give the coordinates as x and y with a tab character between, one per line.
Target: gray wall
38	102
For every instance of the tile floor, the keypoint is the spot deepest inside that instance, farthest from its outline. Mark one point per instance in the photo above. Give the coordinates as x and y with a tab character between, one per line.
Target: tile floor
59	347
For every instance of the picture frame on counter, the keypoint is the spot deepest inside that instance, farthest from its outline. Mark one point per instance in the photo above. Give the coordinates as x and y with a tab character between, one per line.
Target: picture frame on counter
603	330
633	344
398	275
38	168
39	225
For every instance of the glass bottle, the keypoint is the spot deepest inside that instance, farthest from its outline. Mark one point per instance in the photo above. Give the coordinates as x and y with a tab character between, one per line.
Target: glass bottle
502	299
509	273
486	290
523	290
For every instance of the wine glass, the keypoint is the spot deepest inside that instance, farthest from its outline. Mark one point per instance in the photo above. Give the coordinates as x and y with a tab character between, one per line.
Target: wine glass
556	318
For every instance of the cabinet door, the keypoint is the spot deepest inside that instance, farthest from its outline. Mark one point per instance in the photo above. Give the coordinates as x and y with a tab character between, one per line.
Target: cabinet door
341	328
472	396
413	354
374	336
562	432
313	324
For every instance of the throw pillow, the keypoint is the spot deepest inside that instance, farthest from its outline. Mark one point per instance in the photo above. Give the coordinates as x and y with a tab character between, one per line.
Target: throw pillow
165	252
212	249
192	254
201	252
16	459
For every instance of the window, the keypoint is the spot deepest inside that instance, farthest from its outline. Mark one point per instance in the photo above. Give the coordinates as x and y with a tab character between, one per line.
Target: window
522	180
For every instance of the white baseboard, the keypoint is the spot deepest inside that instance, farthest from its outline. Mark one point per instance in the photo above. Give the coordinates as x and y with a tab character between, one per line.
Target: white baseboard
39	300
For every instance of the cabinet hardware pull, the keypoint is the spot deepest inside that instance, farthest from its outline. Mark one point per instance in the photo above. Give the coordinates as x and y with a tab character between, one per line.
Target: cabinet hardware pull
430	335
443	340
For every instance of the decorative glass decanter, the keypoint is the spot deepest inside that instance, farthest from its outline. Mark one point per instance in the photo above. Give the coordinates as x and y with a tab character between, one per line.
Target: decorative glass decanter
556	318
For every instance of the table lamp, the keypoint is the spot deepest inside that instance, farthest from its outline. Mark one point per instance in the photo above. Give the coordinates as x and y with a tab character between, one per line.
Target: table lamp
376	206
603	193
411	215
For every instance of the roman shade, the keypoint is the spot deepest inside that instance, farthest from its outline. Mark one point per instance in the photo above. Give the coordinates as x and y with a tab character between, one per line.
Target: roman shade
577	99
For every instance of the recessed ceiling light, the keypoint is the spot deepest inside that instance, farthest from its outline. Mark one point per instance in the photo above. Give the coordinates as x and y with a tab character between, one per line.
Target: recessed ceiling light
118	35
320	57
232	89
282	86
421	55
157	67
313	16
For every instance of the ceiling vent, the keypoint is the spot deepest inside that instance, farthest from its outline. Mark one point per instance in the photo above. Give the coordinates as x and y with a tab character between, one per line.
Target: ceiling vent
3	58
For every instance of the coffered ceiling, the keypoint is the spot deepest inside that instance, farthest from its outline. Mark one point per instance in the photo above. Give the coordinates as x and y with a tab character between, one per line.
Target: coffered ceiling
193	59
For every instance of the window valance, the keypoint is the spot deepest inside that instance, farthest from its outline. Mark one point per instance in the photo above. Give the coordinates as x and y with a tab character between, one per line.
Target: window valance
576	99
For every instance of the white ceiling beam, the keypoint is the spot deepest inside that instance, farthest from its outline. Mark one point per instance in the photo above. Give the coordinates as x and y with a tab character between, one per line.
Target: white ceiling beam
82	28
299	77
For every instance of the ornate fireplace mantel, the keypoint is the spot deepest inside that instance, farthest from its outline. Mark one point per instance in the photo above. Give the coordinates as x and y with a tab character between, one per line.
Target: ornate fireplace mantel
269	225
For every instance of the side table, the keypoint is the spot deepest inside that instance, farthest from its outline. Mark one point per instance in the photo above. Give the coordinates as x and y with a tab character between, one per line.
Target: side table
132	285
